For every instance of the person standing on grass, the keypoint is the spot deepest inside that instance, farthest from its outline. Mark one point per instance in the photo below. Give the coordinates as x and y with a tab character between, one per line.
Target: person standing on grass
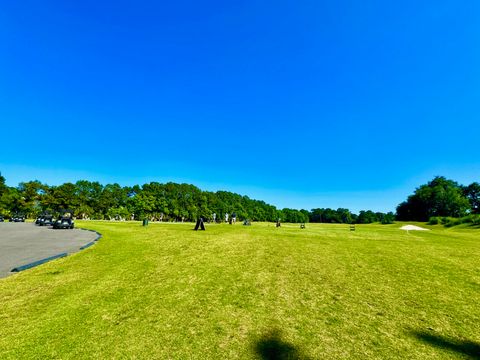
226	217
234	218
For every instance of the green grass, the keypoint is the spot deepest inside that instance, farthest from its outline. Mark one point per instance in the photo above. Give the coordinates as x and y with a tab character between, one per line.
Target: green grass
167	292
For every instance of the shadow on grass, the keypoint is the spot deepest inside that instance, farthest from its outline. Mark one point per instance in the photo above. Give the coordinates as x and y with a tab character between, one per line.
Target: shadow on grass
271	347
469	348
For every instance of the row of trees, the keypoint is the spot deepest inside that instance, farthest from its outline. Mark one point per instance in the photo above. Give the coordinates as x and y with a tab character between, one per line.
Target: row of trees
156	201
440	198
184	202
345	216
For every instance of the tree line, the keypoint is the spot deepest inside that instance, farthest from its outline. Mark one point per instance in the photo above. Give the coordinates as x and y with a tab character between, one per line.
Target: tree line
158	202
440	197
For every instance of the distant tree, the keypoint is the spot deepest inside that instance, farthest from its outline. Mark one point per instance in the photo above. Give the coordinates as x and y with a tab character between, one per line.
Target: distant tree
293	216
143	205
4	203
12	202
32	193
119	213
3	187
306	215
387	218
366	217
440	197
88	196
332	216
62	197
345	215
84	211
472	193
316	215
354	218
112	196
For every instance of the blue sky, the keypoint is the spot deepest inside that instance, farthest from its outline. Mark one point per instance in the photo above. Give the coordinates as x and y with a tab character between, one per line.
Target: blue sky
301	104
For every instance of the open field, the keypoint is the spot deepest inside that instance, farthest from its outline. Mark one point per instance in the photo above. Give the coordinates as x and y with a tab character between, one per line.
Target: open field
167	292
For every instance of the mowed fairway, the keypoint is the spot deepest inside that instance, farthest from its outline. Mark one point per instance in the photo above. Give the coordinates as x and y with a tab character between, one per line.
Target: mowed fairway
167	292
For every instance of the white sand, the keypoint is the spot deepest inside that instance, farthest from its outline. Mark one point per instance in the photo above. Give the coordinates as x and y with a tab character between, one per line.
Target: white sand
412	227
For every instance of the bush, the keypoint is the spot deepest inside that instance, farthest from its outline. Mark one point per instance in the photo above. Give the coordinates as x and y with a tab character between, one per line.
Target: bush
451	221
476	219
473	219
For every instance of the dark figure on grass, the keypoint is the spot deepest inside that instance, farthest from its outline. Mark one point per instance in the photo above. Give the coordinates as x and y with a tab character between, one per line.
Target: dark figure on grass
278	223
199	224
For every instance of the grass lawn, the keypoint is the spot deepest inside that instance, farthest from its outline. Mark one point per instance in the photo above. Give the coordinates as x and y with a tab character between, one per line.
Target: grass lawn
239	292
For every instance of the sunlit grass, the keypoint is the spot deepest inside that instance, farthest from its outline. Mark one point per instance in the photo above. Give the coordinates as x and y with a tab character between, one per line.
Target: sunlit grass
167	292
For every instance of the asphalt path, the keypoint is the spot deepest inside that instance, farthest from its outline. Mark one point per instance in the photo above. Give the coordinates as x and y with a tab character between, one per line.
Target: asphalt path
23	243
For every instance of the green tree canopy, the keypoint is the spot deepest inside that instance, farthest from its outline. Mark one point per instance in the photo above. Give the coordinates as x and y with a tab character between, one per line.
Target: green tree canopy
472	193
440	197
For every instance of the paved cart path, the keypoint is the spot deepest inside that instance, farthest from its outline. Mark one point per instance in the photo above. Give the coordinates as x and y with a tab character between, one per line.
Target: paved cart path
23	243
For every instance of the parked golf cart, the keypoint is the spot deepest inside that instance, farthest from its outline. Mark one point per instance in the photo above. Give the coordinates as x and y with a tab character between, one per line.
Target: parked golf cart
47	220
64	223
17	218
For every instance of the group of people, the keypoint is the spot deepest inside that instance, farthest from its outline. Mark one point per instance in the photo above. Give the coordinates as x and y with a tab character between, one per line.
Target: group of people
229	218
232	219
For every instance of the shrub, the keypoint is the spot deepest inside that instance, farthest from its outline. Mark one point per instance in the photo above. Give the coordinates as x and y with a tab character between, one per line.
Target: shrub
473	219
448	221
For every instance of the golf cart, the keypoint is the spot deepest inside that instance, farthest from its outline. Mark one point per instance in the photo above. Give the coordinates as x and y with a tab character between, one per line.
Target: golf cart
65	221
17	218
46	220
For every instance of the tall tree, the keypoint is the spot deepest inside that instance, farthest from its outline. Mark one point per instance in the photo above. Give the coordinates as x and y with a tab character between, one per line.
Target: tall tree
32	193
3	187
472	193
4	204
440	197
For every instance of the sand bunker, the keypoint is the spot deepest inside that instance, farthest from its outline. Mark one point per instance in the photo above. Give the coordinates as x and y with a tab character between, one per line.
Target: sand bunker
412	227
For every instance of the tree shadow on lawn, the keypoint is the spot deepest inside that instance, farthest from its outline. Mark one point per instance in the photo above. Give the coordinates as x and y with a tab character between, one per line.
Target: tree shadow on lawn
469	348
271	347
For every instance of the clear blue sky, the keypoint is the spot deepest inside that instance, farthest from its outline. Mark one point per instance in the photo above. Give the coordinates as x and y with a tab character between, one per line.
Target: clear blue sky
299	103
